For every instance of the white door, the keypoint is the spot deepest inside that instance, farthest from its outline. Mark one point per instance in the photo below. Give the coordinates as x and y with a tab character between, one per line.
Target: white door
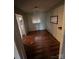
21	25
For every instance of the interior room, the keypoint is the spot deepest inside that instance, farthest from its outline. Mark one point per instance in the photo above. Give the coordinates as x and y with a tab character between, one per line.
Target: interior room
39	29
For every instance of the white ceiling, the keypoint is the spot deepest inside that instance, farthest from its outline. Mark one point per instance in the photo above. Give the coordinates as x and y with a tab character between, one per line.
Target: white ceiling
28	5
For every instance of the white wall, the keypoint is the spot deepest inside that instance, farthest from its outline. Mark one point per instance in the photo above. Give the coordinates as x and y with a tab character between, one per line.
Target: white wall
53	28
33	27
25	22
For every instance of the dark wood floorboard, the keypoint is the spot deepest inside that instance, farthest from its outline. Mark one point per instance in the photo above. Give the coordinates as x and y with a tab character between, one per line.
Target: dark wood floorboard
41	45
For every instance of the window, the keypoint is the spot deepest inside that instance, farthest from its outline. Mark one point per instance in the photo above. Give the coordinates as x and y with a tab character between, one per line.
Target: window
36	20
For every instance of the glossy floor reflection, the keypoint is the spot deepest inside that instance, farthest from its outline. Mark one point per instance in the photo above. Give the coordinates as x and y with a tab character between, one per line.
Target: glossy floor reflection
41	45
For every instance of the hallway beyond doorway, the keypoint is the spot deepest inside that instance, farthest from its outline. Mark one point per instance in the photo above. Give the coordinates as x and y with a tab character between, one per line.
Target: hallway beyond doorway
41	45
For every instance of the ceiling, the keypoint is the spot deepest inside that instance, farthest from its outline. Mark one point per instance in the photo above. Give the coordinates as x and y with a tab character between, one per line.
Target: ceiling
28	5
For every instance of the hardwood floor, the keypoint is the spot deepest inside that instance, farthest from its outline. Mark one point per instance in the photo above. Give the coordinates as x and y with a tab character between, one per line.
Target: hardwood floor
41	45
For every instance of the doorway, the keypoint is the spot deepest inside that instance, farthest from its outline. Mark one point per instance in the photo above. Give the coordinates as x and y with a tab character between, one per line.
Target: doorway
21	26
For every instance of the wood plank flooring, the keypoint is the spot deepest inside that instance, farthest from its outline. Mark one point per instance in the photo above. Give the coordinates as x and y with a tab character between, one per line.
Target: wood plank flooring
41	45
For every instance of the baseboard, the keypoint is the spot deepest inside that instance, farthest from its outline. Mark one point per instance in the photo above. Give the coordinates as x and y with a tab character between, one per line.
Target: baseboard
37	30
52	35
